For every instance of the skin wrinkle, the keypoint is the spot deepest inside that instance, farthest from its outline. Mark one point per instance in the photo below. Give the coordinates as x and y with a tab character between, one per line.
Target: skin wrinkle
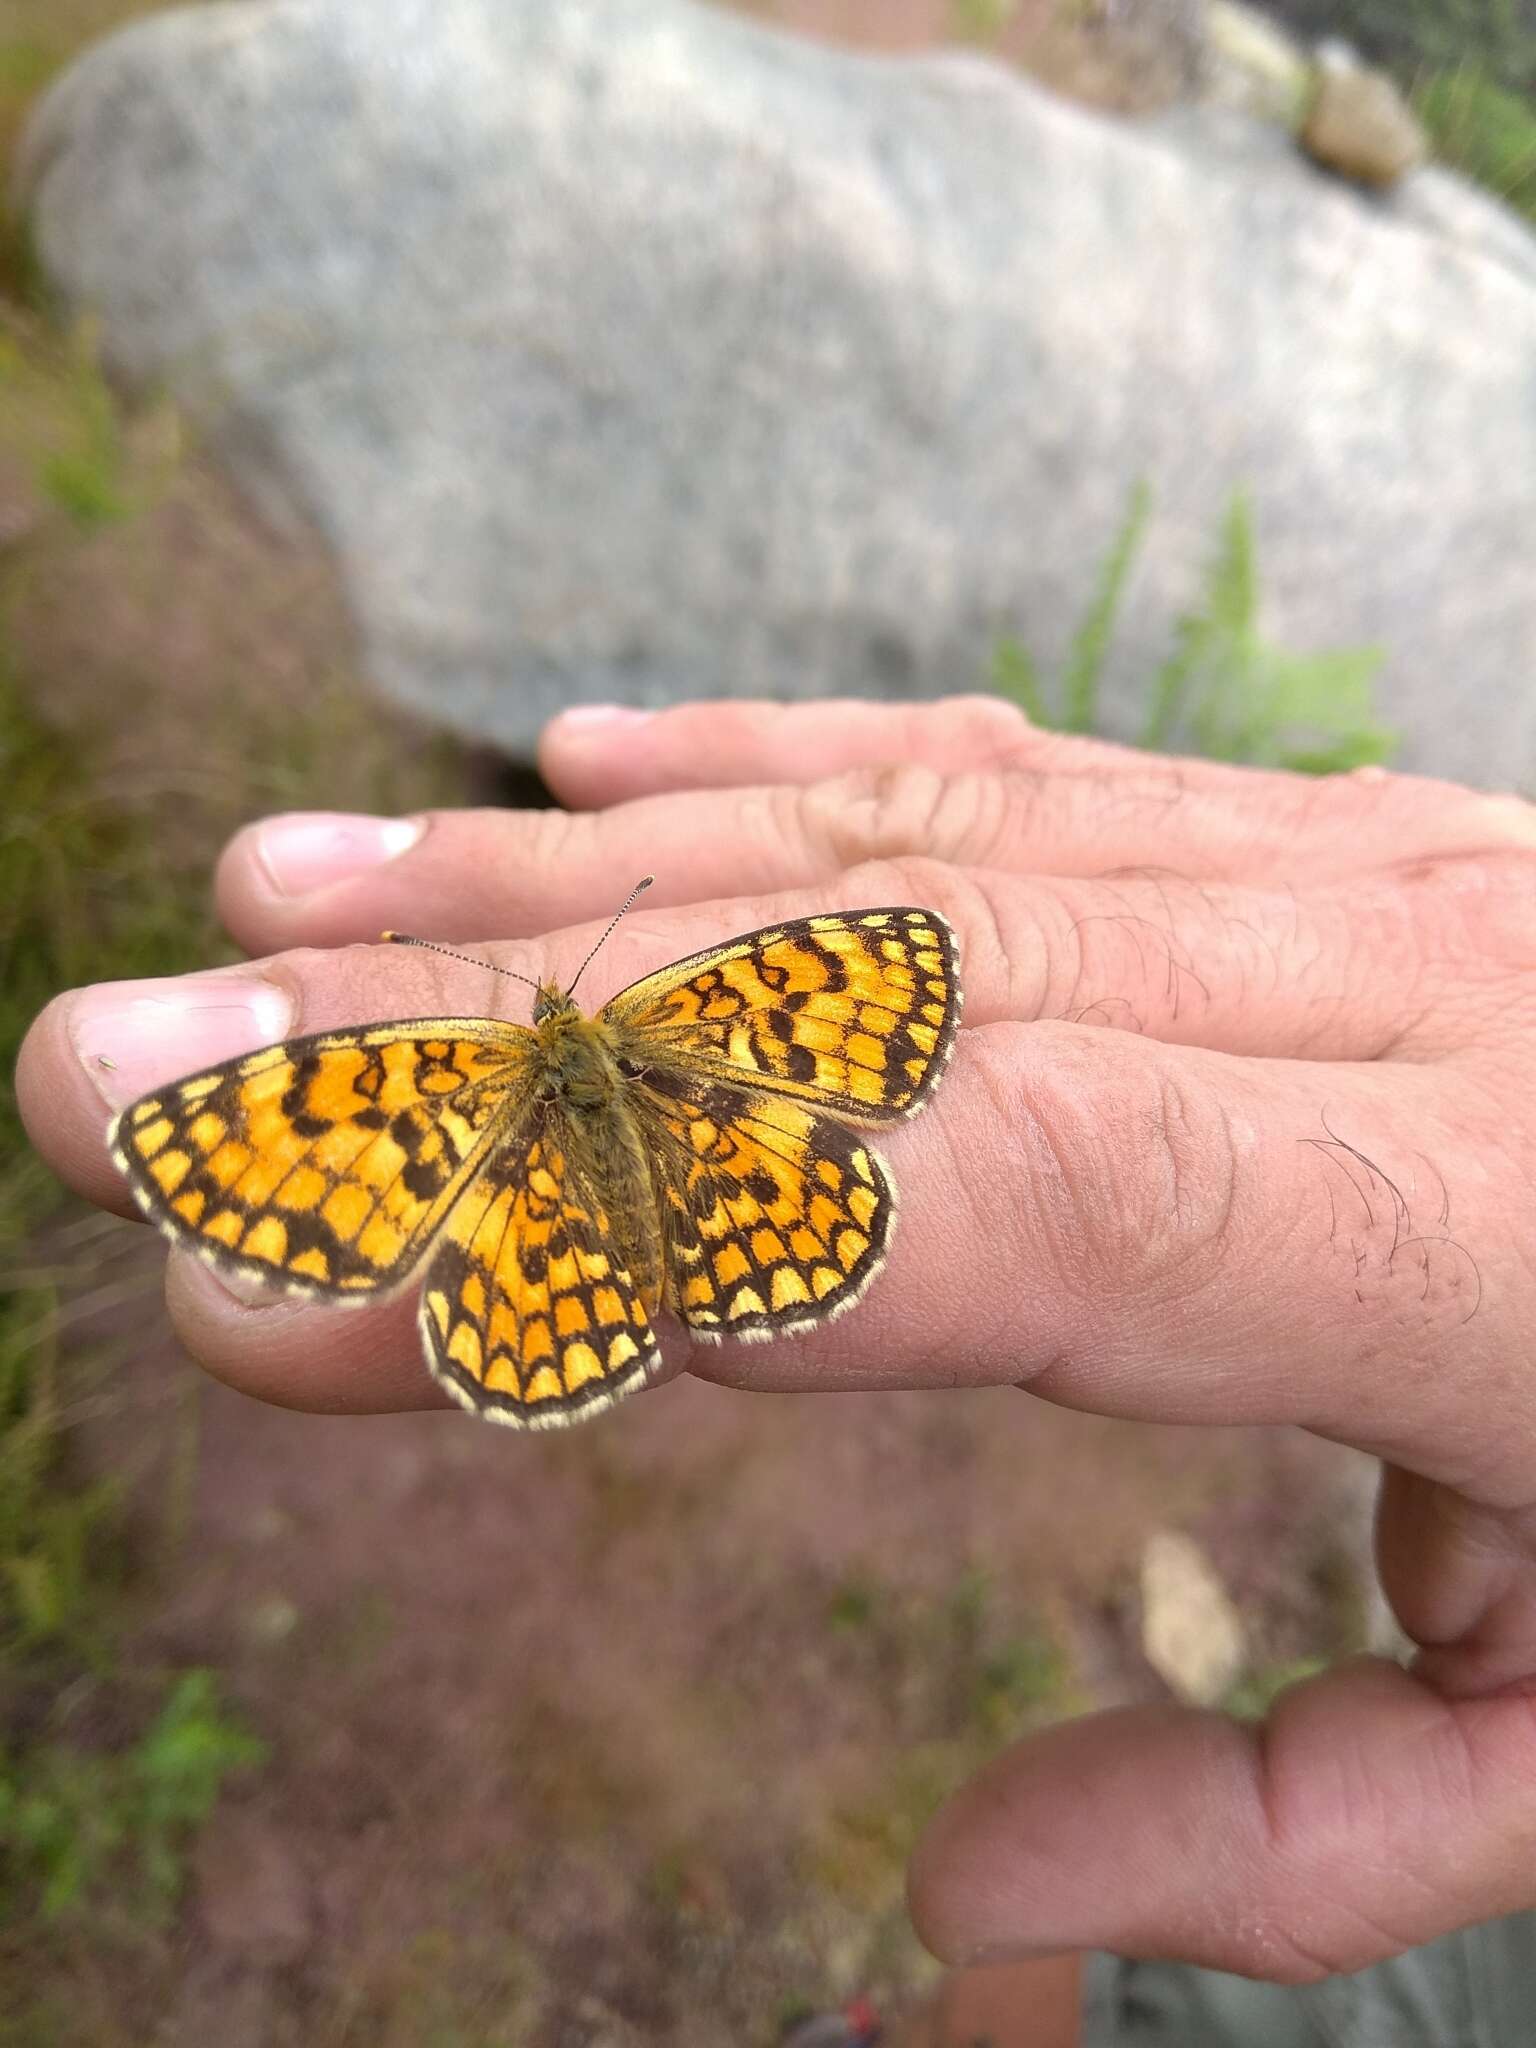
1125	1249
985	1215
1043	1186
876	814
849	818
1453	962
955	824
994	941
989	801
1175	1127
1134	797
1204	1175
1492	1541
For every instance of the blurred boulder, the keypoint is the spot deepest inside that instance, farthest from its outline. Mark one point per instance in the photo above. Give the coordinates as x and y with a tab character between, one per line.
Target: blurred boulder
624	349
1191	1632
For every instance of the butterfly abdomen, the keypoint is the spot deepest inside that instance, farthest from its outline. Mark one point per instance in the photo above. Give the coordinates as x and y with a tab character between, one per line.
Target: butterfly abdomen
586	1097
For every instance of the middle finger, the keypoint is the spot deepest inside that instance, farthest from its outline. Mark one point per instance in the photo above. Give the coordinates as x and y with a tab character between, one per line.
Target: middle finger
1384	966
326	880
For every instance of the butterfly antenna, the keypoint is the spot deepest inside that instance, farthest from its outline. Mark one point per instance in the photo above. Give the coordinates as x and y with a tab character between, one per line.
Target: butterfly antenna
644	882
431	946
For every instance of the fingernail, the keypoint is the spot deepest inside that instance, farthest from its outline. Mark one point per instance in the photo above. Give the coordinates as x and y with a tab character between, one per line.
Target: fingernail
1002	1955
132	1036
250	1290
309	850
590	716
1516	818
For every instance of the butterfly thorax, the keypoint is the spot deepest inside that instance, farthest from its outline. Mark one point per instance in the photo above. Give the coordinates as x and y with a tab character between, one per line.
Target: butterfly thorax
578	1053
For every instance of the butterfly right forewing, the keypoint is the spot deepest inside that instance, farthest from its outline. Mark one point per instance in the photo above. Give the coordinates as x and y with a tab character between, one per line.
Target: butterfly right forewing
854	1011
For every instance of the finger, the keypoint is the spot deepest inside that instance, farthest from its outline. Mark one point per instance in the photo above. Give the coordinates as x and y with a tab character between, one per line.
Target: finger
466	875
1461	1577
1365	1815
1140	1229
1398	964
327	1362
1224	819
596	755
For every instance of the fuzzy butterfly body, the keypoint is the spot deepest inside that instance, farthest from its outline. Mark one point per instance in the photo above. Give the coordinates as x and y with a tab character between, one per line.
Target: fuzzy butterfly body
694	1146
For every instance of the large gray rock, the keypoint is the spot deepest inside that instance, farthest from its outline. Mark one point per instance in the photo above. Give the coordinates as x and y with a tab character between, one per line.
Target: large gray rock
625	349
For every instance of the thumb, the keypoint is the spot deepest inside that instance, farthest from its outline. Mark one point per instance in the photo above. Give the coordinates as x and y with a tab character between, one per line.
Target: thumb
1364	1816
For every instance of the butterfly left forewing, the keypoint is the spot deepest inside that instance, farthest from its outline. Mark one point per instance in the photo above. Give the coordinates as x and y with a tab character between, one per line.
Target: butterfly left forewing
853	1011
326	1164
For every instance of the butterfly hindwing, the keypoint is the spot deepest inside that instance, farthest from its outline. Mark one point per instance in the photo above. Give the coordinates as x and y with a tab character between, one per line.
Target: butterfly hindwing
855	1011
529	1314
773	1216
328	1163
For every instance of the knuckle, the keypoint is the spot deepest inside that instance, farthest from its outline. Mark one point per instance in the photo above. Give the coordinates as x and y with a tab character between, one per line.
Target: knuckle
914	878
1418	805
555	837
1456	932
975	727
1473	911
881	813
1507	821
1130	1178
1135	1174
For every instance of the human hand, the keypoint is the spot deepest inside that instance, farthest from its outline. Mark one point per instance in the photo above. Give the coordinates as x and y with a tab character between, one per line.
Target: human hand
1240	1129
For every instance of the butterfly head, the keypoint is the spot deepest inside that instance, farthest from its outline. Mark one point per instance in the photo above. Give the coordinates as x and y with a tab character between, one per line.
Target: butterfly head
553	1001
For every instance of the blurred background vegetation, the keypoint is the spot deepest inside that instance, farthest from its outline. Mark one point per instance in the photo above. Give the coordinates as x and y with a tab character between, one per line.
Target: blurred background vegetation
167	672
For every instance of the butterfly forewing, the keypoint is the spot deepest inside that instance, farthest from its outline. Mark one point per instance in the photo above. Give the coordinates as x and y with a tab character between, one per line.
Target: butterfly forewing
327	1164
856	1012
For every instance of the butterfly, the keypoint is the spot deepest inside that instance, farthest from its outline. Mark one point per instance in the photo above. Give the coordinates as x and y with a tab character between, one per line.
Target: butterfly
694	1146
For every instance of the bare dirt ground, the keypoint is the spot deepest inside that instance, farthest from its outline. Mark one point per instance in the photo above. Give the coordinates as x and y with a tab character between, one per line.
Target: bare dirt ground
623	1737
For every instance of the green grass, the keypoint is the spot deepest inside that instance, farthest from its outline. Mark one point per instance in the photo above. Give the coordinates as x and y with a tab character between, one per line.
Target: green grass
1413	36
1076	706
1480	128
82	1828
1224	689
107	1770
81	898
981	21
965	1670
1253	1695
